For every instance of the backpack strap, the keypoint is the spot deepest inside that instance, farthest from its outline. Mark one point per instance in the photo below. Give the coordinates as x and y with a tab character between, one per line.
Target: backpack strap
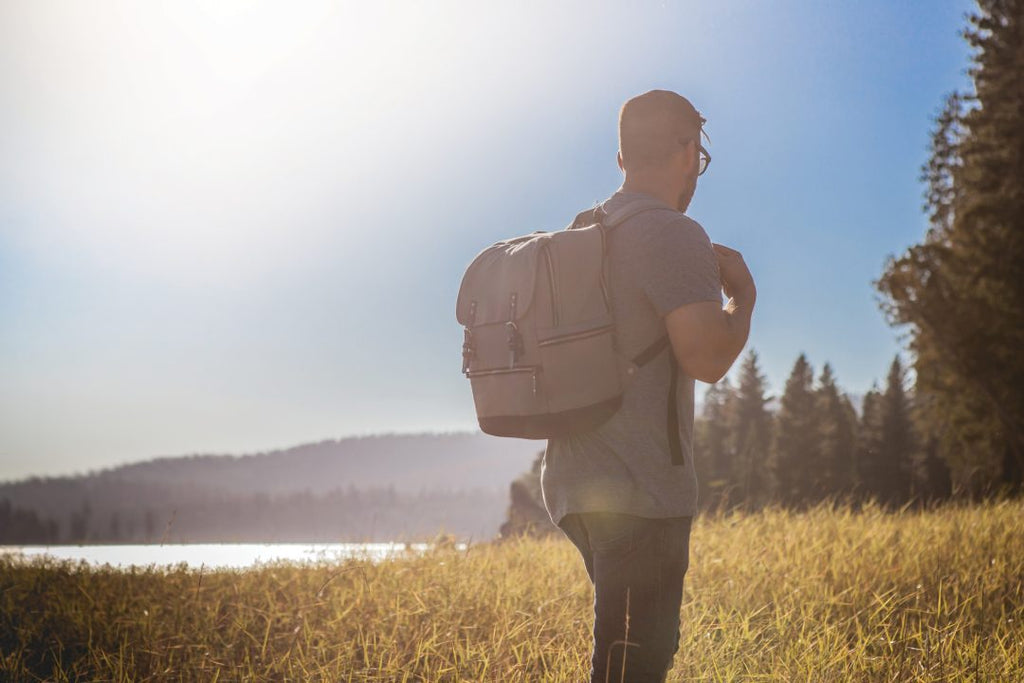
675	444
620	216
624	213
599	216
615	219
631	209
651	352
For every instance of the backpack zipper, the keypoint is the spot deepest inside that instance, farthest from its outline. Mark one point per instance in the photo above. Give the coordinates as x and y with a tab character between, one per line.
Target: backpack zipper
576	336
532	369
501	371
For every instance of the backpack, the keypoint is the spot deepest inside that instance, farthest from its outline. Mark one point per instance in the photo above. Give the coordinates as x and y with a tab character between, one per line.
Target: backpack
539	345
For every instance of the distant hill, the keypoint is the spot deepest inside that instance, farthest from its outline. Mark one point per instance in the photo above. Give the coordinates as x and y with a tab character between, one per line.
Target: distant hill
384	487
407	462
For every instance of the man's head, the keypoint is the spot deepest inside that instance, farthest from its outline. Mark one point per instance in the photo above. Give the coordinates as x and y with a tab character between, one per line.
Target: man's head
659	143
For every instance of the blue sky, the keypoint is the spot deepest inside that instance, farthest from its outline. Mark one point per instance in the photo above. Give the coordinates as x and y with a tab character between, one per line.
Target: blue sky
233	226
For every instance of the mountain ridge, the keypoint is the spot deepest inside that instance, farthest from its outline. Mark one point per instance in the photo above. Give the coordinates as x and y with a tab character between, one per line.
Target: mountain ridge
487	461
357	487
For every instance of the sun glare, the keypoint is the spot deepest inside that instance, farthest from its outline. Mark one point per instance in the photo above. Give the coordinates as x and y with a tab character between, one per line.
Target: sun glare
223	137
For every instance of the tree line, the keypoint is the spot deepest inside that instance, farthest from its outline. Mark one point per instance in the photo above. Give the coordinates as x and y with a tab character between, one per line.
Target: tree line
21	527
177	515
814	445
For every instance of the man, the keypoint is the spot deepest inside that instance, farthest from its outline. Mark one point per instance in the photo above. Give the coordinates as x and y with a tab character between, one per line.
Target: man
626	492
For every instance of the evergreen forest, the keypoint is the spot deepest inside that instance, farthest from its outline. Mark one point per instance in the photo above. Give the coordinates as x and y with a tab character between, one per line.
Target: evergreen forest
811	445
952	423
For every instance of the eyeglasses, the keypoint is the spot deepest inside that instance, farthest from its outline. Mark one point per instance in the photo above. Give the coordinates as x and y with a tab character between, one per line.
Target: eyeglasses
704	158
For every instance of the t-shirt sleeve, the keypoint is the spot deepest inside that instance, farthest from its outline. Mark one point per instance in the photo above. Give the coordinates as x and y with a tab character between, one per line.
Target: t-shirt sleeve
681	267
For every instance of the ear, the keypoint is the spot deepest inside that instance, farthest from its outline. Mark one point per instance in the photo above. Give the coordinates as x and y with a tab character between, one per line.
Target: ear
618	159
690	160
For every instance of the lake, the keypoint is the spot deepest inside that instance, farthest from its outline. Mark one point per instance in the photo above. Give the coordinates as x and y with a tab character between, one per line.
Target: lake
218	555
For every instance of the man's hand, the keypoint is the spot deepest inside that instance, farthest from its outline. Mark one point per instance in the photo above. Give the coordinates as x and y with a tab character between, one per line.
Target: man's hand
737	282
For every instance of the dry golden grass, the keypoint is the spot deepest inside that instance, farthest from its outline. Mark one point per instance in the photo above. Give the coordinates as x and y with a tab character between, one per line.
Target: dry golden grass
826	595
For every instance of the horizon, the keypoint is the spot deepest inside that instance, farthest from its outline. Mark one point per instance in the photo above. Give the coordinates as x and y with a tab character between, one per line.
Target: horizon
855	398
256	453
242	226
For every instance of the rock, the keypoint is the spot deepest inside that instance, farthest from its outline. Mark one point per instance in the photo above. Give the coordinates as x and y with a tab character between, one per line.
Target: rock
526	513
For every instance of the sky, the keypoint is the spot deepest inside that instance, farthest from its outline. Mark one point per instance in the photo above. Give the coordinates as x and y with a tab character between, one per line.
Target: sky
232	226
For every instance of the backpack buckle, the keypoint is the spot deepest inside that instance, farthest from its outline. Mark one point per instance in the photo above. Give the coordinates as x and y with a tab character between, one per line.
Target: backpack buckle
468	350
515	343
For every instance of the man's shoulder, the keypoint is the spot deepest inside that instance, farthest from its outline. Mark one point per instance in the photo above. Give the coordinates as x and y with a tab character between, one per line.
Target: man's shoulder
673	224
657	223
669	230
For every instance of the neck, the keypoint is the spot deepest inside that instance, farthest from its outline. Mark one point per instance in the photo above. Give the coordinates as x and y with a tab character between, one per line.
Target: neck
657	187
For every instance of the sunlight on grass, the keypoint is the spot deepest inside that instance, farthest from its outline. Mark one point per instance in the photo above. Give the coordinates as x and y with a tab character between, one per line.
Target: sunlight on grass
776	595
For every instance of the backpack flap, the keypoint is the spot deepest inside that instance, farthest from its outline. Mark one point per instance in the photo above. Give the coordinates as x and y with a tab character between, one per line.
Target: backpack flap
497	291
500	273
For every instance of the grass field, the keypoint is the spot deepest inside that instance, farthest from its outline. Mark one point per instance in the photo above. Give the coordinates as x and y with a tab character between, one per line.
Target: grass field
819	596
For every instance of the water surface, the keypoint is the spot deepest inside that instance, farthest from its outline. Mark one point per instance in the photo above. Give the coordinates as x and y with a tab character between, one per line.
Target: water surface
216	555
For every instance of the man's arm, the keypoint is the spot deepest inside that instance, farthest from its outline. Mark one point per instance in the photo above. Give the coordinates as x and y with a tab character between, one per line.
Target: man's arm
706	338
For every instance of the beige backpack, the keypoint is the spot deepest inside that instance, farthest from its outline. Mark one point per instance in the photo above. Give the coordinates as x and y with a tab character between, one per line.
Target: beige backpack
540	348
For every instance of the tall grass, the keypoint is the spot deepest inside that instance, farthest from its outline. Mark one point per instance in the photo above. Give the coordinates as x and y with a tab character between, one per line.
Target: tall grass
825	595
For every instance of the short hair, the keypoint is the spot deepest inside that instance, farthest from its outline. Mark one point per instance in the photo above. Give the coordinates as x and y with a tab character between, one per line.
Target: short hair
651	124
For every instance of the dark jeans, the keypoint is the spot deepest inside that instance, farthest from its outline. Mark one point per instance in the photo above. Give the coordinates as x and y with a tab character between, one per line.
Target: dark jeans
637	567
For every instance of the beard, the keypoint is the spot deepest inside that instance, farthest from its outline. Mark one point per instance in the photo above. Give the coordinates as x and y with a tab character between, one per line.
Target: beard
683	201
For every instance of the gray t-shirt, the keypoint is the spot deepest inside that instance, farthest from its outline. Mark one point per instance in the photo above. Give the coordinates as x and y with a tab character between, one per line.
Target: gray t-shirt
659	260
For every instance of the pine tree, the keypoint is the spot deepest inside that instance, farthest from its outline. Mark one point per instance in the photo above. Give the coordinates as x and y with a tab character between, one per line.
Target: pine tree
836	429
935	483
961	291
714	456
898	442
932	478
849	472
752	436
870	471
796	442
